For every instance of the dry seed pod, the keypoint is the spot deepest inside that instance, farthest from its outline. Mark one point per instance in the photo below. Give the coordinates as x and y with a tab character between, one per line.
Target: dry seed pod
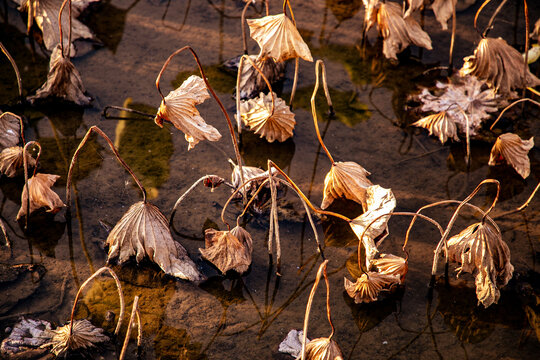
481	251
228	250
348	180
440	125
11	159
144	231
84	335
257	115
252	82
366	289
389	264
41	195
278	38
512	149
10	128
500	65
323	349
179	108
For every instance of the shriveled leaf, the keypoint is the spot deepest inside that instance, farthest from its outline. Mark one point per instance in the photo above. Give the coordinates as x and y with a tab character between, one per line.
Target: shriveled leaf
144	231
179	108
443	10
228	250
511	148
84	335
252	83
440	125
482	252
63	81
412	6
249	172
41	195
292	344
278	38
348	180
389	264
500	65
10	129
398	33
257	115
11	159
366	289
323	349
379	201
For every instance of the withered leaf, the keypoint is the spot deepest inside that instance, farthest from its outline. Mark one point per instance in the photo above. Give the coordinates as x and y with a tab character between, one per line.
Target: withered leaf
63	81
84	335
10	130
389	264
370	15
278	38
440	125
500	65
228	250
144	231
323	349
366	289
443	10
346	179
257	115
11	159
512	149
249	172
482	252
179	108
412	6
251	82
41	195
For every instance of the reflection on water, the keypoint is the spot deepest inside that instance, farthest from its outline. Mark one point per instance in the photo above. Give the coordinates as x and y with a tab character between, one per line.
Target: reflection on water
255	151
44	231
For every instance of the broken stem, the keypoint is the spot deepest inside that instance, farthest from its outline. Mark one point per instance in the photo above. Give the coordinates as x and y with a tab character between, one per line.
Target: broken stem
113	149
134	313
313	107
509	106
25	165
60	28
14	65
526	62
243	22
120	295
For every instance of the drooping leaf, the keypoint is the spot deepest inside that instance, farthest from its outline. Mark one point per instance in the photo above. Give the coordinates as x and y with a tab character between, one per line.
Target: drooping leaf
84	335
11	159
348	180
10	129
512	149
389	264
252	82
440	125
323	349
366	289
228	250
41	195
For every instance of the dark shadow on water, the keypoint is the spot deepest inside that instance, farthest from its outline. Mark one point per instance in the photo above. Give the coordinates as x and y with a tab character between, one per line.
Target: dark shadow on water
44	231
256	151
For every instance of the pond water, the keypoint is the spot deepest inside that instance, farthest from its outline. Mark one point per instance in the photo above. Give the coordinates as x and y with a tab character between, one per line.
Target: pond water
248	316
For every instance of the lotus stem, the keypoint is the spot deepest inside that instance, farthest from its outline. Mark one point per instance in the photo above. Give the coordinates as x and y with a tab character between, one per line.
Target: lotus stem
313	107
287	3
267	8
60	28
14	65
107	116
322	268
113	149
6	237
495	13
526	62
236	191
21	123
120	295
243	22
452	40
522	207
25	165
253	197
533	91
134	313
209	87
509	106
274	219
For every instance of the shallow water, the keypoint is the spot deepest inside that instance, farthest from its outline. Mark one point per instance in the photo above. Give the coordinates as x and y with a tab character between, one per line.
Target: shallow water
248	316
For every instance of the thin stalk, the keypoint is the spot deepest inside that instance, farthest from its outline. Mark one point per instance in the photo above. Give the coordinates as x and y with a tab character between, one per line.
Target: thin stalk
134	313
236	191
21	123
467	137
14	65
274	220
313	107
267	8
322	268
3	228
243	22
253	197
495	13
295	81
328	312
106	116
113	149
120	295
509	106
452	40
526	62
25	165
522	207
60	29
533	91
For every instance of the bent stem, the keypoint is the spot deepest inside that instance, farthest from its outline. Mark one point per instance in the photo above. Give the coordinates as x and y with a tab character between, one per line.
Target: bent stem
25	165
14	65
119	108
287	4
238	80
229	123
60	29
314	109
322	269
243	22
452	40
134	313
120	295
113	149
509	106
522	207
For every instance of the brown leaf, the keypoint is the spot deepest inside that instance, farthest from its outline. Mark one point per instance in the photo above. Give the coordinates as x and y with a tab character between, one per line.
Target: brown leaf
536	31
228	250
440	125
348	180
278	38
179	108
323	349
63	81
11	159
257	115
413	5
514	151
500	65
10	129
84	335
443	10
252	83
41	195
389	264
144	231
482	252
366	289
249	172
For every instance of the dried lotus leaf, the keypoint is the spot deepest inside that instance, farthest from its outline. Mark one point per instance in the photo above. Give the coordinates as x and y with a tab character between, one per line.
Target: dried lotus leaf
348	180
440	125
323	349
11	159
251	81
41	195
178	107
500	65
278	38
366	289
391	265
10	129
63	81
514	151
84	335
144	231
257	115
228	250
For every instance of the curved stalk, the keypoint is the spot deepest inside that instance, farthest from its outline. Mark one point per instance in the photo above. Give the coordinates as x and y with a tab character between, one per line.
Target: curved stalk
60	28
14	65
495	13
253	197
287	3
243	22
295	81
120	295
25	165
134	313
523	206
313	107
526	62
113	149
236	191
229	123
509	106
238	80
478	13
452	40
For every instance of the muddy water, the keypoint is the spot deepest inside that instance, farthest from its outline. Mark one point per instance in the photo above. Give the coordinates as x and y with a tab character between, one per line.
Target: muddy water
248	316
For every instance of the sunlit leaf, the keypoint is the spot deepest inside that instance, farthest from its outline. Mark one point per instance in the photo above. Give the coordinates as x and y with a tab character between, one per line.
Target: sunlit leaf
348	180
392	265
84	335
11	159
228	250
323	349
440	125
366	289
41	195
512	149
